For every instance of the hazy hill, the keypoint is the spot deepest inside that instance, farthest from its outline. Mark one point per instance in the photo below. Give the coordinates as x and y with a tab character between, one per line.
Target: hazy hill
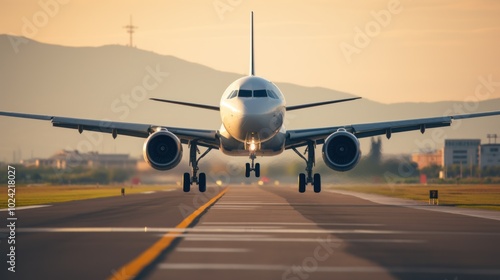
96	83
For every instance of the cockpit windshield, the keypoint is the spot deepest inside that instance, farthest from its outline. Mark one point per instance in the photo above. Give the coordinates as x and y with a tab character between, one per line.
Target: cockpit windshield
272	94
245	93
233	94
259	93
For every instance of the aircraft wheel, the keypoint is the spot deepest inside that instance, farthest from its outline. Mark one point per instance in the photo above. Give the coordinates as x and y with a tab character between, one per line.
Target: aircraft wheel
317	183
247	170
302	182
202	182
257	170
186	182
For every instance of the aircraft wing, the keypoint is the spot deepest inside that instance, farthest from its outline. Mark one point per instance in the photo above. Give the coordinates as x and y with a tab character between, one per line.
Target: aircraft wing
297	138
207	138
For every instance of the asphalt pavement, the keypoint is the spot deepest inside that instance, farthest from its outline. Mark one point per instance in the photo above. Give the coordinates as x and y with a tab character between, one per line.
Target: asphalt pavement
270	232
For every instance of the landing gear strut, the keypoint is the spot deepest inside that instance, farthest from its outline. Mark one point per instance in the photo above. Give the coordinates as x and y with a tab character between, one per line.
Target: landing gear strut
189	179
254	167
304	180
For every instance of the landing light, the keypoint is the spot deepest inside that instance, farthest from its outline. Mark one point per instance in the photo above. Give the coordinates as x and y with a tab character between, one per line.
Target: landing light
252	147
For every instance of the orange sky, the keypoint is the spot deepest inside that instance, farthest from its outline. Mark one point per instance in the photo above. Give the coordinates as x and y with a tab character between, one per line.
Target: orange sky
386	50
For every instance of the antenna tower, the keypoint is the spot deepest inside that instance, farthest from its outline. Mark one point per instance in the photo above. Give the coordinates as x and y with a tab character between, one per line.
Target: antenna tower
130	30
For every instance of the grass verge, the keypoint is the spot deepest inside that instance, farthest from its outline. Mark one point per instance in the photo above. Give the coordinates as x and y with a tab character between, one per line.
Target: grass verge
38	195
467	196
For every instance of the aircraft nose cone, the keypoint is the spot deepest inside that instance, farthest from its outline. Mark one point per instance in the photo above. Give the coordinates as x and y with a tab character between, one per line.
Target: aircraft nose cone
263	126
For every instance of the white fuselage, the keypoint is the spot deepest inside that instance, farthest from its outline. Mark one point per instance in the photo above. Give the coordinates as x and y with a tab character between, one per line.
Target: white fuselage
252	112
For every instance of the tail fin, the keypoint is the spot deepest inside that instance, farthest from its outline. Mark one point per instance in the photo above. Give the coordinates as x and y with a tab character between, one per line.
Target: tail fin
252	62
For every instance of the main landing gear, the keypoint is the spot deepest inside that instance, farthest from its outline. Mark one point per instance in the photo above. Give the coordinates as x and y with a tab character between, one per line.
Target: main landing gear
304	179
189	179
254	167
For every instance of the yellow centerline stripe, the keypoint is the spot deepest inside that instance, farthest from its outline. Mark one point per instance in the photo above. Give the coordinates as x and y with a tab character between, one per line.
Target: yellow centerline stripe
133	268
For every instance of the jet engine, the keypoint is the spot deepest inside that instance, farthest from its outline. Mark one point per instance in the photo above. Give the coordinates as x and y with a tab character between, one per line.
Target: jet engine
341	150
162	150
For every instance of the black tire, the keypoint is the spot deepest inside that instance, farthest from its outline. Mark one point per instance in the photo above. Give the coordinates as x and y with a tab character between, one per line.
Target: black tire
317	183
186	182
302	183
202	182
257	170
247	170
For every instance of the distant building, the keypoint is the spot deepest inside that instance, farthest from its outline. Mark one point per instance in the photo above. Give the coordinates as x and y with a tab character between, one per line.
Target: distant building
38	162
428	159
143	166
461	152
65	159
463	156
490	155
111	161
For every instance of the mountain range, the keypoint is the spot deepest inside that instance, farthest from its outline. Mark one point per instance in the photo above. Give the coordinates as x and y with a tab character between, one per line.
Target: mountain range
115	82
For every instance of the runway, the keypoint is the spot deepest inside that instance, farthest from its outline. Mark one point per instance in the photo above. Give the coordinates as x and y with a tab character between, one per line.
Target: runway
250	232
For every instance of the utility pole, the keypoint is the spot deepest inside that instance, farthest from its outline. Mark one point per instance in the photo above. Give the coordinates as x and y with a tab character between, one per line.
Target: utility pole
492	136
130	30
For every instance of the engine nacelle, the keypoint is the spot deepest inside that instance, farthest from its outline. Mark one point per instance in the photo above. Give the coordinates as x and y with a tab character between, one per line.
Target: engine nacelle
341	150
162	150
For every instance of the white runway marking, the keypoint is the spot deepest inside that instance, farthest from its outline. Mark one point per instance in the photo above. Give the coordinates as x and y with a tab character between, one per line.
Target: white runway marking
237	238
252	230
215	266
212	250
236	227
148	192
229	195
485	214
233	209
246	202
225	236
233	206
27	207
330	269
272	203
293	224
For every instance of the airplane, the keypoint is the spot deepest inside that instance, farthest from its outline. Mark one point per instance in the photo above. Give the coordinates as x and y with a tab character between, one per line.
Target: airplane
252	110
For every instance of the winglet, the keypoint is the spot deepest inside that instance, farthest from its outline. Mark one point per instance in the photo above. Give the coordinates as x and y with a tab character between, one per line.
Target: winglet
252	62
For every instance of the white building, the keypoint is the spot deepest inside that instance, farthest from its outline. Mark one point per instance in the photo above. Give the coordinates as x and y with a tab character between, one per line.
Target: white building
490	155
461	151
67	159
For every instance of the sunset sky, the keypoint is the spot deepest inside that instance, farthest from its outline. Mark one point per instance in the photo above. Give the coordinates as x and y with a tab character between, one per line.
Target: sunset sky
385	50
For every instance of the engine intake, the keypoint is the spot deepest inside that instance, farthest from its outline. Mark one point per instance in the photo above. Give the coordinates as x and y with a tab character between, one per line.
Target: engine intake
341	151
162	150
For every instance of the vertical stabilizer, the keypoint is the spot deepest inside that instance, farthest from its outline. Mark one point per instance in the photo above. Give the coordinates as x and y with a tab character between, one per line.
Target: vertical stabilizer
252	62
